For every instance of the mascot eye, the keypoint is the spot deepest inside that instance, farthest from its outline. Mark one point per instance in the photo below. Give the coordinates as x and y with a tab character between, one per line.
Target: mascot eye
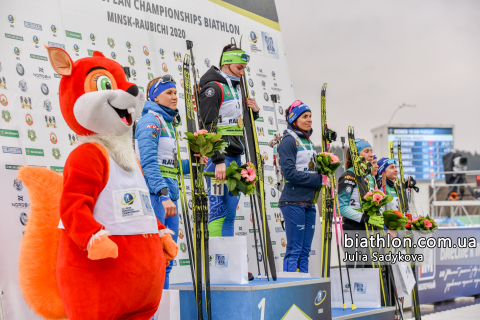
104	83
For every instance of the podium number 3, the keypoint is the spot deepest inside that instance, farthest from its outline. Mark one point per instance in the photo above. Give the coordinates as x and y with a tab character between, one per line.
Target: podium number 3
261	306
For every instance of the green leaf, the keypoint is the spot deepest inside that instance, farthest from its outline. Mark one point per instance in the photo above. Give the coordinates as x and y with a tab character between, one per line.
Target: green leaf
210	154
241	186
235	192
216	137
237	176
189	135
201	142
233	165
194	148
231	184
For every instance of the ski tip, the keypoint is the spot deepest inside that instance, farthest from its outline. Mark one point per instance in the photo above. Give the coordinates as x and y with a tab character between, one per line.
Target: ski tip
344	306
353	306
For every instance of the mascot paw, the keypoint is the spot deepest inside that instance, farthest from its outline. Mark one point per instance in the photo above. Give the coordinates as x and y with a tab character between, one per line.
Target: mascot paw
102	248
170	248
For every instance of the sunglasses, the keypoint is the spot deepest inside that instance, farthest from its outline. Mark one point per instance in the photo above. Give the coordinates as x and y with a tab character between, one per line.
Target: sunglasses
166	78
245	57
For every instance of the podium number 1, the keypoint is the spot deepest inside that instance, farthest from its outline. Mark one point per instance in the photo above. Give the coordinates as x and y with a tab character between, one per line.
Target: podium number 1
261	306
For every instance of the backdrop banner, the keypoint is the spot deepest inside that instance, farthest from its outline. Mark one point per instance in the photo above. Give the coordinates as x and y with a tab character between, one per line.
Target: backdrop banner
149	38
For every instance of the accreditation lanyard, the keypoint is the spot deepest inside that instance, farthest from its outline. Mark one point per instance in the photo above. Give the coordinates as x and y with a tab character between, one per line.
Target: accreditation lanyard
312	151
238	100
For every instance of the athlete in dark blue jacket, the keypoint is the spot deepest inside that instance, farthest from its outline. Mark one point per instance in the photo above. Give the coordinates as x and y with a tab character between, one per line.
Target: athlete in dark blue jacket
297	159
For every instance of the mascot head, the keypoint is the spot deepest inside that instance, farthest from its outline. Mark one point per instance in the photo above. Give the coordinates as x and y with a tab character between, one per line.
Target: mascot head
95	97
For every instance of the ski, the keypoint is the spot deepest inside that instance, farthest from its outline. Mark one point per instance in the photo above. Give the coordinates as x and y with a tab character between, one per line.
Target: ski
201	200
402	200
252	153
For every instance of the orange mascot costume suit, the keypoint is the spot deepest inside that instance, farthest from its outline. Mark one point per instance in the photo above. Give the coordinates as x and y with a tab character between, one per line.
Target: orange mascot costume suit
93	248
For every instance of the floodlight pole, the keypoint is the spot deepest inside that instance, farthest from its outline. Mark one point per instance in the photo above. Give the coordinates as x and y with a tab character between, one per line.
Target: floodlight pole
400	107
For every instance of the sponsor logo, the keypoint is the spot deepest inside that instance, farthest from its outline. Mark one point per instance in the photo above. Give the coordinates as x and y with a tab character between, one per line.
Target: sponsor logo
164	67
247	204
16	51
57	169
6	115
134	73
278	97
53	28
221	260
253	37
20	205
265	96
273	74
184	262
76	47
179	68
270	120
35	56
47	105
29	119
320	297
23	218
113	55
111	43
13	150
73	138
145	51
252	93
312	252
283	243
56	153
280	110
53	138
281	121
241	233
207	62
128	45
3	82
128	199
9	133
180	233
210	92
57	45
268	168
174	263
178	56
148	62
92	37
18	185
161	52
273	192
12	167
247	68
279	230
426	271
35	39
251	230
250	82
34	26
34	152
360	287
260	119
263	83
274	243
260	257
131	60
10	18
183	247
3	100
240	218
271	132
265	156
44	88
150	76
32	135
268	108
13	37
74	35
41	75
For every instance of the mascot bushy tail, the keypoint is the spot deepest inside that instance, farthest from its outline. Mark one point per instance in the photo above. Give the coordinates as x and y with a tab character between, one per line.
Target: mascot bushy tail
39	246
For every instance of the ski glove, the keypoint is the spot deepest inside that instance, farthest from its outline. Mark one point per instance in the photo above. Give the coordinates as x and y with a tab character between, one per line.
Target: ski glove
325	180
376	221
170	248
102	248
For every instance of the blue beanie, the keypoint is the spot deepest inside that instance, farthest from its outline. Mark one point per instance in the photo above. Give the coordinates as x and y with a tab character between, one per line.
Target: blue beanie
155	91
361	144
297	111
383	164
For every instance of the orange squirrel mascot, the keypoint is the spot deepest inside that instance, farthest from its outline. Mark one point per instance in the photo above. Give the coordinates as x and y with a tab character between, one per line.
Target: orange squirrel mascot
93	248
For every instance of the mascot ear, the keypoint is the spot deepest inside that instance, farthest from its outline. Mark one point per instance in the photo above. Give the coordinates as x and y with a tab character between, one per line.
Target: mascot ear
60	61
98	54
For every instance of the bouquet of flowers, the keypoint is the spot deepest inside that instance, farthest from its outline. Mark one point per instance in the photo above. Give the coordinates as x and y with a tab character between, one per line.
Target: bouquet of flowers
239	178
373	201
424	224
394	220
327	163
206	143
409	220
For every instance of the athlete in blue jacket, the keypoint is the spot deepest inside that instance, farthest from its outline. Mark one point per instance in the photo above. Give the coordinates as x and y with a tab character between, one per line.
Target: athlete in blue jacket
297	159
156	146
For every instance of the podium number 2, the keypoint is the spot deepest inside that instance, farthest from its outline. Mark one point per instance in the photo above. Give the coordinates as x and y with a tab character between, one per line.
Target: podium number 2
217	189
261	306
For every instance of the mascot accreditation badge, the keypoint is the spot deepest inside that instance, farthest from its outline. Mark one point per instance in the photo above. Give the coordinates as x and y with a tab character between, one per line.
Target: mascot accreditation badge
132	204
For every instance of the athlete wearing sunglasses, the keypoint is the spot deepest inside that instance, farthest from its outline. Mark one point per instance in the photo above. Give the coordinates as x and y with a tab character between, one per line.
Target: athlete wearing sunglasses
221	111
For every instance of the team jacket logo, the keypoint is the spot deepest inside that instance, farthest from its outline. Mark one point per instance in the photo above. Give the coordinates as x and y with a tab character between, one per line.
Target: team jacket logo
29	119
22	84
6	116
56	153
50	121
128	45
35	39
128	199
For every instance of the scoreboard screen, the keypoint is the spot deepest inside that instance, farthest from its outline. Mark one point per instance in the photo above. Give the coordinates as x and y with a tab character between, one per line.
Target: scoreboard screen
422	150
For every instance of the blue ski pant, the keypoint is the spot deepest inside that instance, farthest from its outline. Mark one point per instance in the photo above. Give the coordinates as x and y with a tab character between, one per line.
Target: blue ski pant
223	208
299	228
170	222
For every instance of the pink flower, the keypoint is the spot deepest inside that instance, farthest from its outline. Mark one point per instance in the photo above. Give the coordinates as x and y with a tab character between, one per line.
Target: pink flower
415	219
428	224
213	133
249	174
334	158
377	197
202	131
379	192
196	134
369	193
